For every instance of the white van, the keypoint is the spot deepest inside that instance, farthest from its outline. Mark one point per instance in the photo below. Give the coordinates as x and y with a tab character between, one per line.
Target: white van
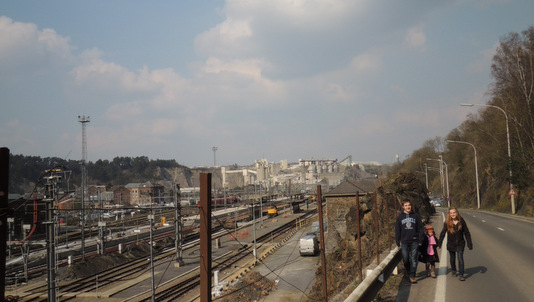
309	245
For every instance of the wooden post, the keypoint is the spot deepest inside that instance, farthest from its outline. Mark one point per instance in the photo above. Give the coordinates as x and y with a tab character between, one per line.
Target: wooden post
205	237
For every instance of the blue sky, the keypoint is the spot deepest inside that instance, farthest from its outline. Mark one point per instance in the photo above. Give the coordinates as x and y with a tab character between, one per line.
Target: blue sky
277	79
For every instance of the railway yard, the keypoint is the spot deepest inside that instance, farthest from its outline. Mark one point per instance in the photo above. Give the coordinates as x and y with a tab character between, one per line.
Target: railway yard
125	273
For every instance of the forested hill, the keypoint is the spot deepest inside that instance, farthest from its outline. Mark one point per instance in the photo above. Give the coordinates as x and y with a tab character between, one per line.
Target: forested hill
24	171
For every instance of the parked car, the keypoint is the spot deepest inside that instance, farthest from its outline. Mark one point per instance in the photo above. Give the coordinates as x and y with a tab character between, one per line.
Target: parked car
437	202
315	226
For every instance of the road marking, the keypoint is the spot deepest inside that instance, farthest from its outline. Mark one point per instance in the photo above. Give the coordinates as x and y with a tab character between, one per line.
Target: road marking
500	229
483	220
441	284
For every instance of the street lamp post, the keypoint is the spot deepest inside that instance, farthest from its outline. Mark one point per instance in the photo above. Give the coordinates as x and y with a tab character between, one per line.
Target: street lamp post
441	174
476	168
441	163
512	199
440	170
447	175
426	176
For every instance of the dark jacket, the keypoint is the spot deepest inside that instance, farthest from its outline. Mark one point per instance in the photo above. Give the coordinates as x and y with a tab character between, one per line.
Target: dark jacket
424	256
408	228
456	241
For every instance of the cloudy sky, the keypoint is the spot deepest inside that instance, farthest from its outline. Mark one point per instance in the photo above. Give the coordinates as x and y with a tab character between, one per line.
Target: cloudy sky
276	79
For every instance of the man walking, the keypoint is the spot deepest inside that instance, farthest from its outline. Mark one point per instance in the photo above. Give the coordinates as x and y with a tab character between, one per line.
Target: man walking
409	236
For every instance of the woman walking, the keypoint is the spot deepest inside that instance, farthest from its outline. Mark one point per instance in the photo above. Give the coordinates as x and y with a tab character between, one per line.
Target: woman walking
457	233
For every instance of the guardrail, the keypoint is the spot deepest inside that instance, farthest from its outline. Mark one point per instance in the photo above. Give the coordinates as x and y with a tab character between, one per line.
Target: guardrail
371	285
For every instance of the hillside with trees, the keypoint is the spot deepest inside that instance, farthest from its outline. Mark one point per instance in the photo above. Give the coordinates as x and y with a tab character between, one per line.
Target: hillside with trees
24	171
510	107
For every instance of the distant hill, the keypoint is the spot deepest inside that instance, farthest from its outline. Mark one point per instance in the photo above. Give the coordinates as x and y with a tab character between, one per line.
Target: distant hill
25	171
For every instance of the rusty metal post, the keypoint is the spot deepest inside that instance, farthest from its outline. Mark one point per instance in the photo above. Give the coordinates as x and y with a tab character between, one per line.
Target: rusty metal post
4	186
360	268
377	236
205	237
321	238
395	203
388	222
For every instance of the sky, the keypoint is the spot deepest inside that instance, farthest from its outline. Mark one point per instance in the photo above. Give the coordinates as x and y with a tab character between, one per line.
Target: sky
277	79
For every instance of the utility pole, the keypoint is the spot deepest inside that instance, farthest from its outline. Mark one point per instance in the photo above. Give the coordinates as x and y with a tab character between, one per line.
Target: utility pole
83	120
4	186
205	237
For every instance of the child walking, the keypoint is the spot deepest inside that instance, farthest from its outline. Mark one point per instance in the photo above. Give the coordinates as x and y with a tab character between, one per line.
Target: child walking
429	251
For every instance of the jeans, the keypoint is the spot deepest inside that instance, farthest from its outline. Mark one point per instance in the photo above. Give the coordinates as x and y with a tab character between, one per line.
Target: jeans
452	256
409	257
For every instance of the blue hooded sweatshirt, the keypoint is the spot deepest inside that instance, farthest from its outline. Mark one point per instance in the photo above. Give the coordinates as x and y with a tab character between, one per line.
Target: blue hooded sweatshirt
408	228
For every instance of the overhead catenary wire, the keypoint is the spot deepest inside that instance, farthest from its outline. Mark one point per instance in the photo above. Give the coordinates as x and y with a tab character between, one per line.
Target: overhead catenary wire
260	261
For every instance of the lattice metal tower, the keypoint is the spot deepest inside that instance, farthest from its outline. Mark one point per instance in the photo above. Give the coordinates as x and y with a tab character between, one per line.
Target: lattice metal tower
83	120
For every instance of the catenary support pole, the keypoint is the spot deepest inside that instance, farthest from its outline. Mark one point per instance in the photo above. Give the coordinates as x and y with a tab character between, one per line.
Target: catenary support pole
51	193
178	226
151	242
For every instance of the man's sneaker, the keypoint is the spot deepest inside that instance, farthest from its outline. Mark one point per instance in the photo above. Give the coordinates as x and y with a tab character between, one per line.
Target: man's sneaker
461	278
413	281
454	273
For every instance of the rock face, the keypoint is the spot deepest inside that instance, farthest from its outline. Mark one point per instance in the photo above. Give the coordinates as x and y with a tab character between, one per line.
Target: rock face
377	214
407	185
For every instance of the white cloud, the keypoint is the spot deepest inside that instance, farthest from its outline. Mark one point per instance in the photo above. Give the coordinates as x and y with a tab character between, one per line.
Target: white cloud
299	38
367	62
415	38
270	71
26	50
226	39
124	112
108	75
251	68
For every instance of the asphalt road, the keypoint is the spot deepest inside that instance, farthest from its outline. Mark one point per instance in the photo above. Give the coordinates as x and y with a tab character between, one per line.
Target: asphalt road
295	274
499	268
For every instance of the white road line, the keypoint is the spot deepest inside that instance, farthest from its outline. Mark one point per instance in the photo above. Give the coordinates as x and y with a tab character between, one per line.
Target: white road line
500	229
483	220
441	282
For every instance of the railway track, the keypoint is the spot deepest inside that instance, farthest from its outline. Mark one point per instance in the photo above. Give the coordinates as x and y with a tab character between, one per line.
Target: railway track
178	288
37	266
138	269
